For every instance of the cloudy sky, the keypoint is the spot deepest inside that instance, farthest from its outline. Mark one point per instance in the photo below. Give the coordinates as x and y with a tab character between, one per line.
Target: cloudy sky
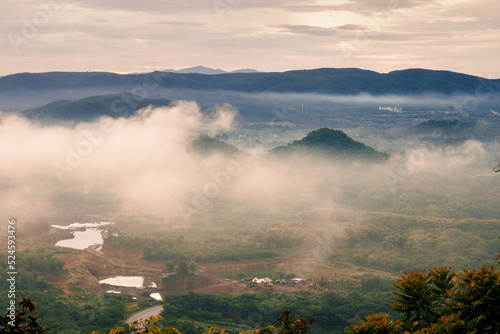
267	35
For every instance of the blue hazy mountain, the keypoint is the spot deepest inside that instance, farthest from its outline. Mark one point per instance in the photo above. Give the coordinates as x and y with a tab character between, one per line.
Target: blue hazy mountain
208	71
31	90
324	80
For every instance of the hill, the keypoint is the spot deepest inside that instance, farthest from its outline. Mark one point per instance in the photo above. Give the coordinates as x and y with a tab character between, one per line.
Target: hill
113	105
206	145
332	143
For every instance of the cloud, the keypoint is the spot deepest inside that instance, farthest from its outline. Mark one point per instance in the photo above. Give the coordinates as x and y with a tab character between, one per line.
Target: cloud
180	23
145	163
428	100
150	6
309	30
223	120
350	27
372	7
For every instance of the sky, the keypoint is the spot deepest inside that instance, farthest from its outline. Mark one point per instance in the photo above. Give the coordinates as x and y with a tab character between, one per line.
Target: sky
127	36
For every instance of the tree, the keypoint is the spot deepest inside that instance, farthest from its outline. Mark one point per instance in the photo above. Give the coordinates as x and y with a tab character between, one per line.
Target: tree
476	299
498	258
267	330
16	321
192	267
146	326
440	301
182	268
421	296
169	267
292	324
217	330
276	275
376	324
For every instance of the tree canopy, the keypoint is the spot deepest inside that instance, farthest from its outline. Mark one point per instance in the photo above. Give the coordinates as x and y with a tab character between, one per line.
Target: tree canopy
441	301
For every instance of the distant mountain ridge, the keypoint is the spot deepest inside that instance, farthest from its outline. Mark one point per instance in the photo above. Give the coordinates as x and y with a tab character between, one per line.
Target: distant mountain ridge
31	90
208	71
321	81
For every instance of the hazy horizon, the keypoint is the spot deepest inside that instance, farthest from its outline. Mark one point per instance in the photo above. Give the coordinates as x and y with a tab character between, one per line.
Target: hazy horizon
166	68
382	35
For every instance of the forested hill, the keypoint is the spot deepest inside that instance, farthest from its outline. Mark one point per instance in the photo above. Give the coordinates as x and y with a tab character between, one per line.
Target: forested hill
87	109
332	143
324	80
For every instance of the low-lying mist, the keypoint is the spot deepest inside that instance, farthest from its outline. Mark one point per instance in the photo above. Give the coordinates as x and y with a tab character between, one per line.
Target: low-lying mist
146	163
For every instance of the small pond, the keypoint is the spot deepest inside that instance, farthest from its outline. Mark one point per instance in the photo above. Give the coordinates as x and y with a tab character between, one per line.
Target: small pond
127	281
92	235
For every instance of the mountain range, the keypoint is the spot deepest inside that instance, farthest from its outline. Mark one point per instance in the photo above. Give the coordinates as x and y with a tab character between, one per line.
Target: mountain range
323	81
257	95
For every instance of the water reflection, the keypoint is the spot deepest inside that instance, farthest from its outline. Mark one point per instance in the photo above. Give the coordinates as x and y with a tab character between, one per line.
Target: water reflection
92	235
156	296
126	281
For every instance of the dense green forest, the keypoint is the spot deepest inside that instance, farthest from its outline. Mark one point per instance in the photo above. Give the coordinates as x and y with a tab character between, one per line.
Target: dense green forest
385	241
333	310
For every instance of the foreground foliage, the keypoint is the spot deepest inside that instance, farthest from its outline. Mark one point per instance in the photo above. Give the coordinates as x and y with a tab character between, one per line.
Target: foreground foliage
333	310
441	301
290	324
20	321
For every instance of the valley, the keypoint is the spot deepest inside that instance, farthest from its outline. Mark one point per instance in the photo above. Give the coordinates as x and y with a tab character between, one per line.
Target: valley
228	206
86	267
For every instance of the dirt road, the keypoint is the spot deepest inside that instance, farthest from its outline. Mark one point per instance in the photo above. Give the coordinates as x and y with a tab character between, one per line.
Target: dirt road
144	314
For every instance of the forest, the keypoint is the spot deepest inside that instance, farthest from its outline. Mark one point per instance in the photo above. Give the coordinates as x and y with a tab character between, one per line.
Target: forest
351	227
433	301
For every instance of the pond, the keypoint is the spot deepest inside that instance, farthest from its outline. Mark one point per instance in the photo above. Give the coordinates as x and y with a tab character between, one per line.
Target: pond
127	281
156	296
92	235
